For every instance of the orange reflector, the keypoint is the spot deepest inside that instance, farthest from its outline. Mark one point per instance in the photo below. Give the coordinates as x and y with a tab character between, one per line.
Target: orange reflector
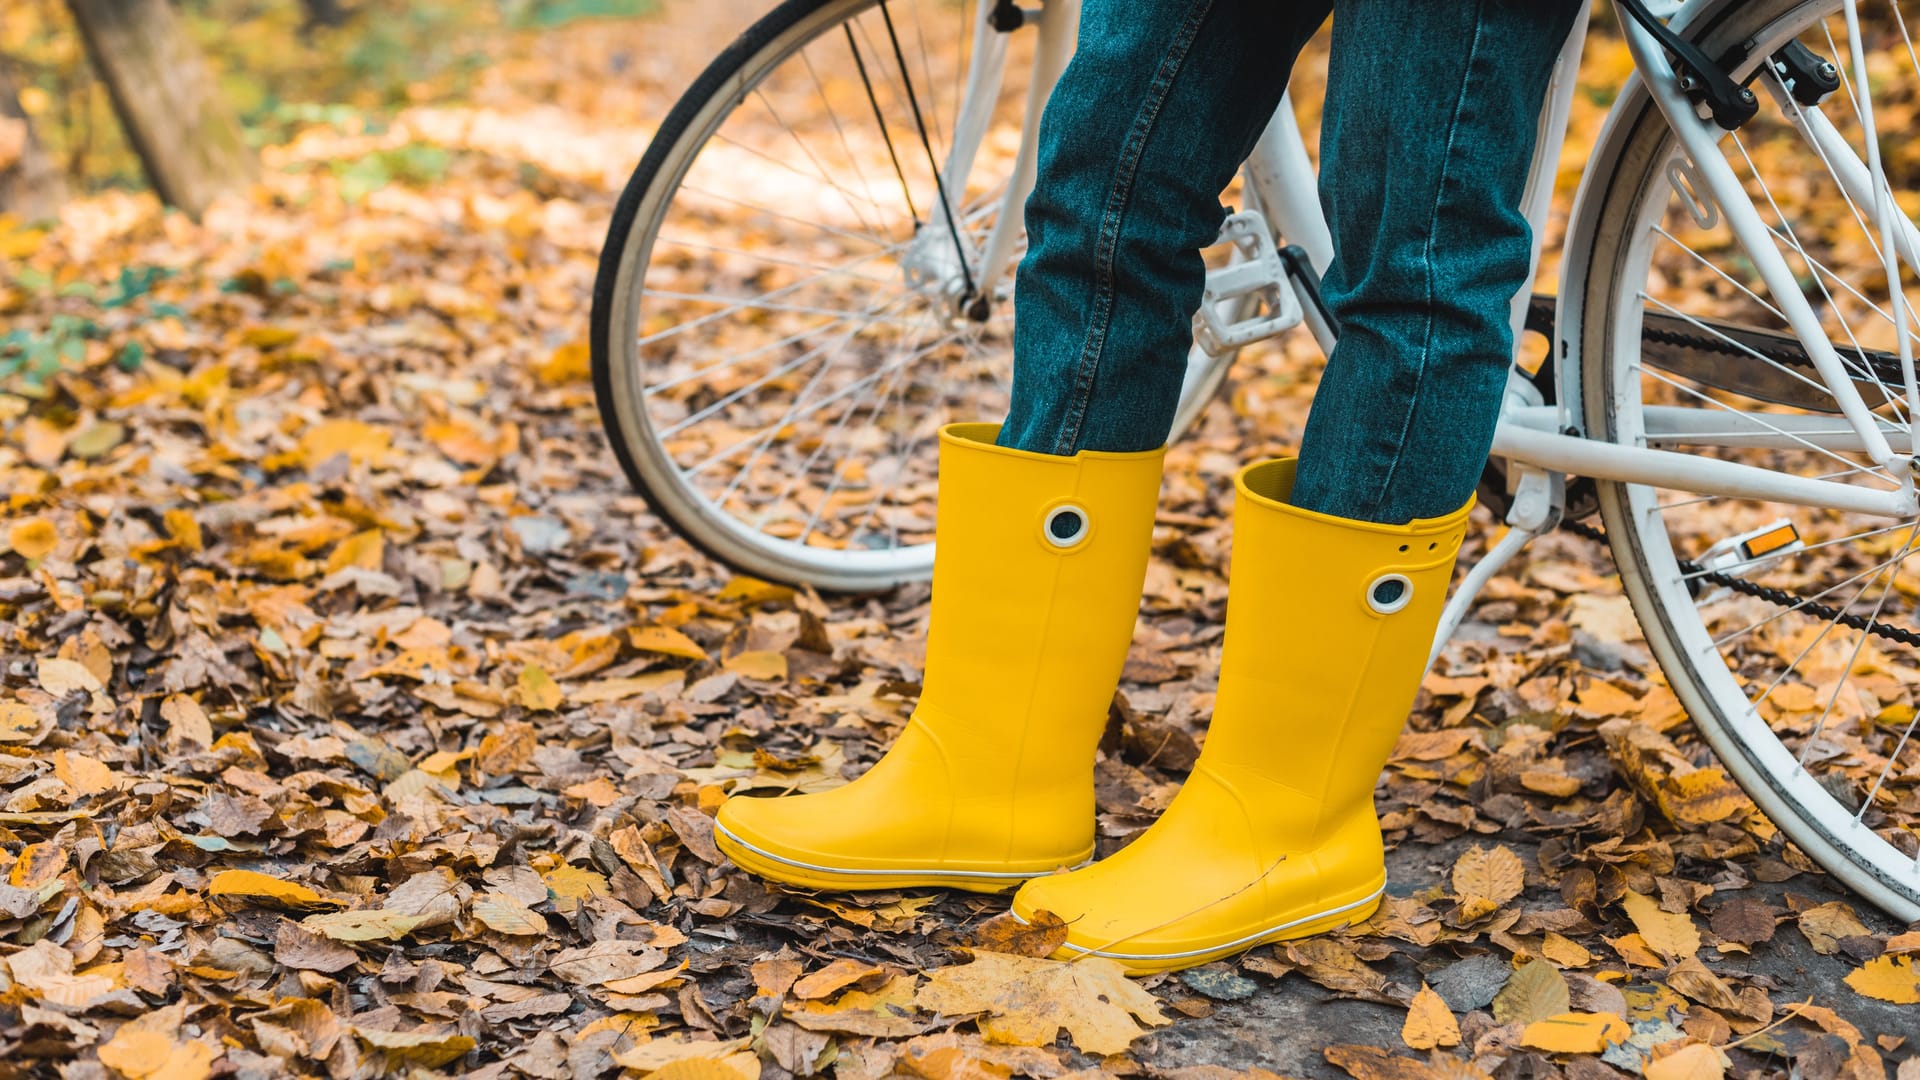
1770	541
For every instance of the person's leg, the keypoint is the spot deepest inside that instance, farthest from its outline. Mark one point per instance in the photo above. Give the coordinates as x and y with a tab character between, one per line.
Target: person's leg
1431	119
1159	106
1426	142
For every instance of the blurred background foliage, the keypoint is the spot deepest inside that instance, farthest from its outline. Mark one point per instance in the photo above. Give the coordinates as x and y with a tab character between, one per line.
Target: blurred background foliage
282	65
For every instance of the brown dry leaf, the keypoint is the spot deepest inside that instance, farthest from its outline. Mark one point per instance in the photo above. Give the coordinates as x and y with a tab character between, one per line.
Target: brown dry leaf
1888	978
1373	1063
1672	936
1825	926
1744	921
1429	1022
504	914
1333	965
1038	935
1485	879
431	1049
1027	1001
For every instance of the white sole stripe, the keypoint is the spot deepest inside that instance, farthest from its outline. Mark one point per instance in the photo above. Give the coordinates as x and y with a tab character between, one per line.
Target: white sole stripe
969	875
1229	946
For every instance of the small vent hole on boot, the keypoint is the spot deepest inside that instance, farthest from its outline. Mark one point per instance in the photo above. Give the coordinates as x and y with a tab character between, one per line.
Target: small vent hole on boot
1065	526
1389	593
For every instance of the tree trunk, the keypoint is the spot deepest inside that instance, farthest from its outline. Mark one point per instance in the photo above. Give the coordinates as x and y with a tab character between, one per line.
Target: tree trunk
324	13
29	184
186	136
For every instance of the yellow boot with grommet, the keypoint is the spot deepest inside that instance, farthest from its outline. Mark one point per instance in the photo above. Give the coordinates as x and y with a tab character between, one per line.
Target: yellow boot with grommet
1274	834
1038	566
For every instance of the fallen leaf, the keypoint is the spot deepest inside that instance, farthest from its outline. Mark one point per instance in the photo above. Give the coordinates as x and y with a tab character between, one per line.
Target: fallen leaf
1673	936
1887	978
1536	991
1429	1022
1040	934
1028	1001
1575	1033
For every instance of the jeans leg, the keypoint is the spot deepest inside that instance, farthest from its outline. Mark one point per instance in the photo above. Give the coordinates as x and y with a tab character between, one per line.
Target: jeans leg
1430	123
1162	101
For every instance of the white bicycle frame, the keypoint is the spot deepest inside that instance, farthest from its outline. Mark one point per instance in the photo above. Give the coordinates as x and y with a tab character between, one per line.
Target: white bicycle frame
1542	443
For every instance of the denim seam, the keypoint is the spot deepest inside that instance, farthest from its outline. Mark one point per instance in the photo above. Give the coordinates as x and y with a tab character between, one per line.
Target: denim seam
1412	397
1107	246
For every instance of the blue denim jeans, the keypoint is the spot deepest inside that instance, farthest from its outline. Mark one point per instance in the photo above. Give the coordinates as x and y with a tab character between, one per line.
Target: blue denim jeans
1428	130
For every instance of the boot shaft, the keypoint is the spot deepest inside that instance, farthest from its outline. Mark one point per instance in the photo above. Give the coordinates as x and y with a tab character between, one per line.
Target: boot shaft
1329	622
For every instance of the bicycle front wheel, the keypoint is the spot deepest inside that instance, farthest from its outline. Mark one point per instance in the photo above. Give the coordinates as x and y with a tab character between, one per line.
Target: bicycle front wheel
1788	632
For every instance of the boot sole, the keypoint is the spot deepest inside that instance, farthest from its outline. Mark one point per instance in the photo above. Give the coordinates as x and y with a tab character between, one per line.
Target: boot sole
1136	963
763	863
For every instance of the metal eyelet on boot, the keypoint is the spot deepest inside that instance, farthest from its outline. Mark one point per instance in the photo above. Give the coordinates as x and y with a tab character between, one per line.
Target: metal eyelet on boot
1389	593
1066	526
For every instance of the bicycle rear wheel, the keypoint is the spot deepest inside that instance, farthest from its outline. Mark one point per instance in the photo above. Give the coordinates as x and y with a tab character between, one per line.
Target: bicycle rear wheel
779	320
1784	630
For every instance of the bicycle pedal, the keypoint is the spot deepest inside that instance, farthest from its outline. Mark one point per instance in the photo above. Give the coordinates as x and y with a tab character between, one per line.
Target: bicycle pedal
1255	284
1754	549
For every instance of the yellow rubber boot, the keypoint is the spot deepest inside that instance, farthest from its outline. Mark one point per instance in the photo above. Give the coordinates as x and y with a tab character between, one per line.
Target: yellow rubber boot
1038	566
1274	834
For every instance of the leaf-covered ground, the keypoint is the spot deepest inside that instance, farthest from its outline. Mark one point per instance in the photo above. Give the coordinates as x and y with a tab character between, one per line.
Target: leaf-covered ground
358	721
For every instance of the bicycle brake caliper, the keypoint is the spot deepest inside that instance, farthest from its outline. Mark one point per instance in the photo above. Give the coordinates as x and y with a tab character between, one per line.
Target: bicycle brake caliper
1249	298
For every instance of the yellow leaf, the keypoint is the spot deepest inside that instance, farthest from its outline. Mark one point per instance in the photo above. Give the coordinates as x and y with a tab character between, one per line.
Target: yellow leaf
1702	797
503	914
183	528
135	1053
361	442
1888	978
365	550
750	591
571	362
835	976
1695	1061
760	664
621	689
655	1056
538	691
1673	936
1429	1022
33	538
569	885
665	640
18	722
1564	951
1575	1033
85	775
1026	1001
251	885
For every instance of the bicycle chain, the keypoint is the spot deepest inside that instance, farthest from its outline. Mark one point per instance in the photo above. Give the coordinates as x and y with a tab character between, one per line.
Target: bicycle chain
1778	597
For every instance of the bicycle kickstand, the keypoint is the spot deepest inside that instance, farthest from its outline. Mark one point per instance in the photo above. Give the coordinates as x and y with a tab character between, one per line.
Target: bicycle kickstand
1538	498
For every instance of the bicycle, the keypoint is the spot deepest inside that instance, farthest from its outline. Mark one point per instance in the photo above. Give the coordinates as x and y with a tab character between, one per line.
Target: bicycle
1728	385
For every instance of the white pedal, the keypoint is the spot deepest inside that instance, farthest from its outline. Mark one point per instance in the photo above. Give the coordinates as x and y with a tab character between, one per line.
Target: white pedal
1751	550
1251	297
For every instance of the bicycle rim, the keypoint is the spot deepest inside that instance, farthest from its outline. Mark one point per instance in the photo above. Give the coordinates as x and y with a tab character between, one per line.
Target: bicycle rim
1813	717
